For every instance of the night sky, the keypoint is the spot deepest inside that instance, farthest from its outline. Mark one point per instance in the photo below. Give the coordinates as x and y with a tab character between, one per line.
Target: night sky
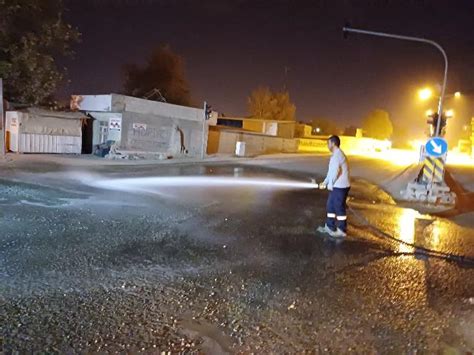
231	47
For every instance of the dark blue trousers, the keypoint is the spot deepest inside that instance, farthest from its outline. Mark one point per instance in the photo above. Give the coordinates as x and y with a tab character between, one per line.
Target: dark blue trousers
336	209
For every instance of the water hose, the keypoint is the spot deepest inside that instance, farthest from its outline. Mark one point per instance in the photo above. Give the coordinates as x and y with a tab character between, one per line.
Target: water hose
418	249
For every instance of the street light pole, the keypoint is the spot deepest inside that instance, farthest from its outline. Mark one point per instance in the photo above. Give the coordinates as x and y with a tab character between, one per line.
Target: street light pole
2	117
203	136
346	29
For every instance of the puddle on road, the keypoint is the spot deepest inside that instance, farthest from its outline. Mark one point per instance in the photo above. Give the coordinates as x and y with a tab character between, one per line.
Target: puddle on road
214	339
18	193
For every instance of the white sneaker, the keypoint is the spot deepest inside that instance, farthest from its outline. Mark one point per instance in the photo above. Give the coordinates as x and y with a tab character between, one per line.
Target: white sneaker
339	234
326	230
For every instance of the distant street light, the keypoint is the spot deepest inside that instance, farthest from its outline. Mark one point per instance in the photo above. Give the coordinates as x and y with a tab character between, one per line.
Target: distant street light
425	94
346	29
318	130
449	113
429	113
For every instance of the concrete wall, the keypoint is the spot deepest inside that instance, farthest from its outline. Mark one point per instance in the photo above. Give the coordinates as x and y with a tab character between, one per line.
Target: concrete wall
221	141
253	125
312	145
159	134
303	130
286	129
270	128
148	107
154	127
348	144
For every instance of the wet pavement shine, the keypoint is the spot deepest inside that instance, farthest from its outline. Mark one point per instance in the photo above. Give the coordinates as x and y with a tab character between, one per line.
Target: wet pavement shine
223	269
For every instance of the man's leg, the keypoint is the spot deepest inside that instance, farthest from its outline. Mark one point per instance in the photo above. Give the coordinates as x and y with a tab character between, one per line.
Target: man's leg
331	212
340	208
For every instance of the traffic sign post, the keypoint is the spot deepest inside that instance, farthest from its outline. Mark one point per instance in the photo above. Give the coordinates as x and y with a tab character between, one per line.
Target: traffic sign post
430	185
433	189
436	147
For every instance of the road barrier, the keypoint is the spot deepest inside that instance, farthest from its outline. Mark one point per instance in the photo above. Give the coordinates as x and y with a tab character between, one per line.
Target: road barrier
433	169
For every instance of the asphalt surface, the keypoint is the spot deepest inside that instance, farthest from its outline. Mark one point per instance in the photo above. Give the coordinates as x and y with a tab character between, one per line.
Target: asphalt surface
222	270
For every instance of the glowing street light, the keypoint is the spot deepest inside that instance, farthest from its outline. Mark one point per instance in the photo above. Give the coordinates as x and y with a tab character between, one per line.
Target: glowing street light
346	29
318	130
429	113
425	94
449	113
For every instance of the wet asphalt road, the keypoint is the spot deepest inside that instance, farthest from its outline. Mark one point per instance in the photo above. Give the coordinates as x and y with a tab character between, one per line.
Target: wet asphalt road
222	270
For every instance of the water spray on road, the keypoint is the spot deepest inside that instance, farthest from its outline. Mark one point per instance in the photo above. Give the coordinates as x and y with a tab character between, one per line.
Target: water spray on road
138	184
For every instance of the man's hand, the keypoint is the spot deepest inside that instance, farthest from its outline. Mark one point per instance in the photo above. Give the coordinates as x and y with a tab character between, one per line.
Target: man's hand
322	186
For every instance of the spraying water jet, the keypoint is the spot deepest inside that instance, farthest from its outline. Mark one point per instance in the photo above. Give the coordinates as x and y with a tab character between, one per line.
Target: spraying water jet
137	184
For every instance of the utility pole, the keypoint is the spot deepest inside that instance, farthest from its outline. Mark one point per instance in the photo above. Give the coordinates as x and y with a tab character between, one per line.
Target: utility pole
203	136
347	29
2	117
285	84
430	185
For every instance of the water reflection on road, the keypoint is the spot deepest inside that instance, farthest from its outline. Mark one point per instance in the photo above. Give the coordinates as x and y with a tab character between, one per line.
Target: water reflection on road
406	229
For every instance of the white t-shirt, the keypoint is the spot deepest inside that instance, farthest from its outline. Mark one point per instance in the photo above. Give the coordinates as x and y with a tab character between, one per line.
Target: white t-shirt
338	172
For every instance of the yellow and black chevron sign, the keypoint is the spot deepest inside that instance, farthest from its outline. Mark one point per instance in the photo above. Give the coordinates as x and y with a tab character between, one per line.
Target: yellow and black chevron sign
433	169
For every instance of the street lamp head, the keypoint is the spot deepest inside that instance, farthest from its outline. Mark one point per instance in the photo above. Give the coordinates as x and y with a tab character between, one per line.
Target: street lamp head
425	94
457	94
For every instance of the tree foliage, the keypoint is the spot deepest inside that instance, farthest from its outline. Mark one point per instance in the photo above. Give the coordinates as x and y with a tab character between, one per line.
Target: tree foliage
350	131
33	35
378	125
165	72
268	105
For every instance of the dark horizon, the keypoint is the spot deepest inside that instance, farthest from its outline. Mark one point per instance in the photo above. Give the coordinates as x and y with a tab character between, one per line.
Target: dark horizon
232	47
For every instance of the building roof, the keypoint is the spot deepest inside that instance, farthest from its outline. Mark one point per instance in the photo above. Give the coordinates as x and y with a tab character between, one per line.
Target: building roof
36	111
253	119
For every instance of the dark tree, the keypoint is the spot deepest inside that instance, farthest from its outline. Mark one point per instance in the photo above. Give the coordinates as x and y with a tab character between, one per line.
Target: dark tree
163	74
268	105
377	124
33	35
350	131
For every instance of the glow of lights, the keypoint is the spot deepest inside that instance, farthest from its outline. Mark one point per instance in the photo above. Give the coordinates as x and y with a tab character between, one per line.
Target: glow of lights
459	159
396	157
406	228
457	94
425	94
416	144
318	130
429	112
405	157
449	113
435	234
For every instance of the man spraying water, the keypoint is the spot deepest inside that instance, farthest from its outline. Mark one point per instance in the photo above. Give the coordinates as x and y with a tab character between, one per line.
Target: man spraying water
338	184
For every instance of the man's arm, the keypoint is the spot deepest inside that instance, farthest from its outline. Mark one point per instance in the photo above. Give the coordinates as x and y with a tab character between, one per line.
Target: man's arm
333	172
